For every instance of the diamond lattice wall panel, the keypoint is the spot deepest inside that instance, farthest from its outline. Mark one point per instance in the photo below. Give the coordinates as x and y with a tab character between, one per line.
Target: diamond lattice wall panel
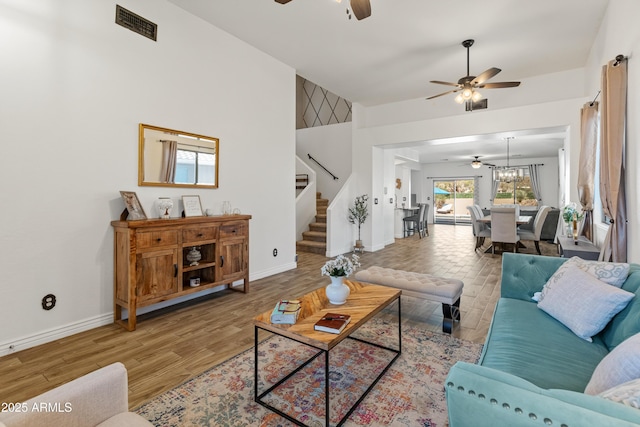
321	107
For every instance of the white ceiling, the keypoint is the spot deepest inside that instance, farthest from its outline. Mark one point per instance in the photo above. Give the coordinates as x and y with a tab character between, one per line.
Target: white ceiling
392	55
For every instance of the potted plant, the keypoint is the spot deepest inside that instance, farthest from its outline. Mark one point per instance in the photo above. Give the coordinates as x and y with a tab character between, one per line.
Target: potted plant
572	217
358	214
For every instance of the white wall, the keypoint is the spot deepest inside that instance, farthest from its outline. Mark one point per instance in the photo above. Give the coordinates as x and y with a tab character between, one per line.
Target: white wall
75	87
620	34
331	146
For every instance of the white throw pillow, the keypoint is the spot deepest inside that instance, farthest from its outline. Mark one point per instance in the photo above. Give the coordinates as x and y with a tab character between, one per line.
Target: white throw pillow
582	303
612	273
627	393
618	367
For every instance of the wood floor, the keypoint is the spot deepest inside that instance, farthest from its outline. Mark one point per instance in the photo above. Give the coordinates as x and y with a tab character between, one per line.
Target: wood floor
173	345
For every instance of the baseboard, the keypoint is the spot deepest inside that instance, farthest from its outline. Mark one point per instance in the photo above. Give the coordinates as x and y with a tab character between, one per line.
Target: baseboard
54	334
107	319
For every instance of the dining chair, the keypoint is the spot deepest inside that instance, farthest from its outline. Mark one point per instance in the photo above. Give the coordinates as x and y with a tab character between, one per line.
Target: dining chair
503	228
536	231
480	231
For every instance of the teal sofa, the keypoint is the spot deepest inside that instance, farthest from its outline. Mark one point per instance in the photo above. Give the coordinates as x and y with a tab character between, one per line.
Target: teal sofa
533	370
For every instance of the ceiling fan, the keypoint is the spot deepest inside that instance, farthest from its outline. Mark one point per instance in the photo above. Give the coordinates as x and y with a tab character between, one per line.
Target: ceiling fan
477	163
468	84
361	8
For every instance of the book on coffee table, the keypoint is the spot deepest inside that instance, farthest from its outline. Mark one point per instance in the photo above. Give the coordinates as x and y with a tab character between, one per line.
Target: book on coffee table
286	312
332	322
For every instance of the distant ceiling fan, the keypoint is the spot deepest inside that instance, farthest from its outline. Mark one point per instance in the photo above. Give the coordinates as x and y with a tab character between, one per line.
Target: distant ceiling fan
361	8
468	84
477	163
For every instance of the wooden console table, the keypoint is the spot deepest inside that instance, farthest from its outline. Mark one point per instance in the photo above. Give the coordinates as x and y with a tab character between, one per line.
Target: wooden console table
584	249
151	264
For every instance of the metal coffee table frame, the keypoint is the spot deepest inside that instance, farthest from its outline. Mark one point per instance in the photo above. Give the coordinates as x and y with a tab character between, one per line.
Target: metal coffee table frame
258	396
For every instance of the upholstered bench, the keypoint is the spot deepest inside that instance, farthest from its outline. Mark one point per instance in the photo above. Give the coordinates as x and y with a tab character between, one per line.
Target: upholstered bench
420	285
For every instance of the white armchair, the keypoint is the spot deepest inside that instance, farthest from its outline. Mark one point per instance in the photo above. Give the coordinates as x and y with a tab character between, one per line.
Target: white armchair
100	398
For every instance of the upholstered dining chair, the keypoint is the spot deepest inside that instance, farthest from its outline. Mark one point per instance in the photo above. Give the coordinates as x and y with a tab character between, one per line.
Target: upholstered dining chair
503	227
480	230
538	222
411	224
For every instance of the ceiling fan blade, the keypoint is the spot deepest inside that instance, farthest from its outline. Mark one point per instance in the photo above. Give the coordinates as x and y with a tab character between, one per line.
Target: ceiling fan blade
361	9
444	93
444	83
283	1
485	76
499	85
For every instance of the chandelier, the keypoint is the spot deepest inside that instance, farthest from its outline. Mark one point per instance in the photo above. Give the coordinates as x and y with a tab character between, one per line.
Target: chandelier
508	174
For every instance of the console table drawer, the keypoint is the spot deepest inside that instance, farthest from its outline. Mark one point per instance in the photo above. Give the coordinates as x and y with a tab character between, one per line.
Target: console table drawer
233	230
157	238
196	234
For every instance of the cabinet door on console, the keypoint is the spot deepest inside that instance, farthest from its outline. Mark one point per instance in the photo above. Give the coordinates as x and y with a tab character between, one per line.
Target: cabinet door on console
233	250
156	274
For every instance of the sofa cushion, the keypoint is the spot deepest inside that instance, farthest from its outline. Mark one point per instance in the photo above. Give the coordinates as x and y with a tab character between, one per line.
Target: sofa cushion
618	367
582	302
527	342
626	323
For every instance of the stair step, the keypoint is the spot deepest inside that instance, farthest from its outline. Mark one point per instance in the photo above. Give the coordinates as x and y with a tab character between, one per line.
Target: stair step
315	236
322	202
318	226
321	218
313	247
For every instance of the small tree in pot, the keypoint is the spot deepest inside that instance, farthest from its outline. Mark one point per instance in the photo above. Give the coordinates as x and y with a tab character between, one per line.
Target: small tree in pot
358	214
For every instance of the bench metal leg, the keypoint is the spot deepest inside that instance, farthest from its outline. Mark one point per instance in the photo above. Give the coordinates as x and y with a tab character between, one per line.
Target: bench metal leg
450	313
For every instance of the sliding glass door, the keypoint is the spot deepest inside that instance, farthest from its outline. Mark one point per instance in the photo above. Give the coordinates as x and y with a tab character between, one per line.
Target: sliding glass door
451	198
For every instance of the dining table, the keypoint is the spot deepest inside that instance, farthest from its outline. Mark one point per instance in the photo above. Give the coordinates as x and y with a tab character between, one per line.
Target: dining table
521	220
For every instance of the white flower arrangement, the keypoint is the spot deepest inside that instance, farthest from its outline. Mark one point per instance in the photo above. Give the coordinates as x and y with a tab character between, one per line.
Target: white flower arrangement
341	266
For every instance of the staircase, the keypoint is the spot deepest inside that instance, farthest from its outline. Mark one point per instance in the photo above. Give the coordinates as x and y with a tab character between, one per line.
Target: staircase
315	240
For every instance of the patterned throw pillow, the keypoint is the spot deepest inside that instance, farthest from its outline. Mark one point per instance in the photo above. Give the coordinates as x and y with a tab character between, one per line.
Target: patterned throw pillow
581	302
618	367
627	393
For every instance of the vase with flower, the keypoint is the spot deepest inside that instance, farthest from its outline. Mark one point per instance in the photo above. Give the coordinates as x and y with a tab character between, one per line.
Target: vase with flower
572	218
338	269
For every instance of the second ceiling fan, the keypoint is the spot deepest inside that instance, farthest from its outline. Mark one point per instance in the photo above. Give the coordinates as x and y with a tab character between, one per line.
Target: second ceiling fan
361	8
468	84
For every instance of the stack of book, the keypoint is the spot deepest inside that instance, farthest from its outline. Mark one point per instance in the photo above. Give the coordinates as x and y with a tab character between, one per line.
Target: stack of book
332	323
286	312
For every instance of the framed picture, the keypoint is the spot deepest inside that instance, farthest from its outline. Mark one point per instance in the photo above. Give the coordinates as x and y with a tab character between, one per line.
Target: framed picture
133	205
192	206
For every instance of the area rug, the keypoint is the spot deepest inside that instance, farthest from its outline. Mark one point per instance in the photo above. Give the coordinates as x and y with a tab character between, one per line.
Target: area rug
411	393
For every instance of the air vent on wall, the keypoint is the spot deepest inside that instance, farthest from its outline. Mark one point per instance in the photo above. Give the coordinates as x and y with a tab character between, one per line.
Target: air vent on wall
136	23
479	105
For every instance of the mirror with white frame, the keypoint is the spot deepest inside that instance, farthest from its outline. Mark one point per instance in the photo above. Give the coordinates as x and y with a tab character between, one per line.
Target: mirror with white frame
173	158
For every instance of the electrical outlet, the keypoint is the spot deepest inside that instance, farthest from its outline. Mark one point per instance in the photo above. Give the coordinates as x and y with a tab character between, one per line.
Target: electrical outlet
275	252
391	200
375	201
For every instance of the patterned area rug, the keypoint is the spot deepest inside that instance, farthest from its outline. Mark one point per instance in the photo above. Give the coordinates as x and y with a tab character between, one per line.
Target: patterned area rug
411	393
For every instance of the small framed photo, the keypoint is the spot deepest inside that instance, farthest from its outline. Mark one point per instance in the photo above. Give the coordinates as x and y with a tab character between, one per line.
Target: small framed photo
192	206
133	205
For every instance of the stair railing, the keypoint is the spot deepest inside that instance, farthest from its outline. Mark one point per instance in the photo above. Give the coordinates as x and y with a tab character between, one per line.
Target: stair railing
320	164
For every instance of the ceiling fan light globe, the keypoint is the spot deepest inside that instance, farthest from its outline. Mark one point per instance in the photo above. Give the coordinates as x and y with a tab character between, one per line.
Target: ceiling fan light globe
476	164
477	96
466	94
459	99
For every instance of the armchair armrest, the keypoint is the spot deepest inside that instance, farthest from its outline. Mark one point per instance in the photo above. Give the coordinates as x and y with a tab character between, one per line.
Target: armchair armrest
85	401
485	397
523	274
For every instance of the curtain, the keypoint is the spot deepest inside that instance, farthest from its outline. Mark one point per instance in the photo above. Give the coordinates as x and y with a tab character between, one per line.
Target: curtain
169	157
476	191
495	184
587	164
612	145
534	175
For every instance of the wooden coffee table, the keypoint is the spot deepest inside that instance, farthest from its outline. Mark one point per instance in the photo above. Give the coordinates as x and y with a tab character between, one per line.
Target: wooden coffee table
364	302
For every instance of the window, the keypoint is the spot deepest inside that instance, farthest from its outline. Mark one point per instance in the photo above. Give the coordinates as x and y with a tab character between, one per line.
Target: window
518	192
194	167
